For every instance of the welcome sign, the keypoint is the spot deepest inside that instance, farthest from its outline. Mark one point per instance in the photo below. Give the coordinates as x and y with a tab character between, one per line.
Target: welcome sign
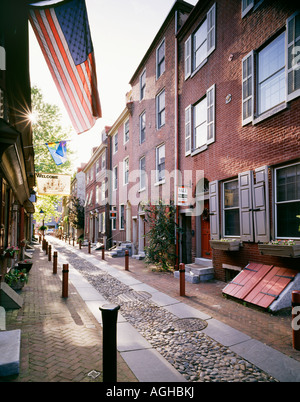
53	184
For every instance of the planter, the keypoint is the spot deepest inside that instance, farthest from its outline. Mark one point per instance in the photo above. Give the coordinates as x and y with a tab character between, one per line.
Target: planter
17	285
280	250
25	265
225	245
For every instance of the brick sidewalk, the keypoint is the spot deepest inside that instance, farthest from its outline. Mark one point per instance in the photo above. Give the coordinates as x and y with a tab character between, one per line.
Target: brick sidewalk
61	341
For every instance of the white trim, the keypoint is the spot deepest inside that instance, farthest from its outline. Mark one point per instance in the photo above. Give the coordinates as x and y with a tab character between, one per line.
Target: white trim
248	119
247	9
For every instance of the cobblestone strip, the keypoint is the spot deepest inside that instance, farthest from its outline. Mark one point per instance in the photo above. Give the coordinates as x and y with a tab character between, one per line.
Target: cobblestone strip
195	355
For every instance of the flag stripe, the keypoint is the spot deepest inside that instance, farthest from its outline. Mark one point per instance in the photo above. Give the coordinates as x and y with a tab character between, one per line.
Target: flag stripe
77	84
37	26
62	52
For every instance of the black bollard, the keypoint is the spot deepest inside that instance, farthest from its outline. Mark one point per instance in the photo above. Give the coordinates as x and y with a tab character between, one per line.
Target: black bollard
109	343
126	260
55	262
65	278
49	252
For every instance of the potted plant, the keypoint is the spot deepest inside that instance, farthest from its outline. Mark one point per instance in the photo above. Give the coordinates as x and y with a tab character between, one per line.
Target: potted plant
280	248
16	279
225	244
25	265
11	251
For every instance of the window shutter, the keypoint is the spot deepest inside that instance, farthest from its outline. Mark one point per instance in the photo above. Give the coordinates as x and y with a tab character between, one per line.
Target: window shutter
211	30
248	88
210	97
293	56
188	57
261	205
245	201
214	210
188	114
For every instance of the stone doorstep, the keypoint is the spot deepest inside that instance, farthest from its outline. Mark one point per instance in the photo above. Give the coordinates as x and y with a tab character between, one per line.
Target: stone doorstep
194	273
10	345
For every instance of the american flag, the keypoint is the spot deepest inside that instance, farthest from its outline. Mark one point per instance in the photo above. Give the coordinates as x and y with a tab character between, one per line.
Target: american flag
63	33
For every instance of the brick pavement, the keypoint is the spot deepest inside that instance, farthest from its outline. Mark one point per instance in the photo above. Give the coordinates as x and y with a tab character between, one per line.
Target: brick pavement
61	341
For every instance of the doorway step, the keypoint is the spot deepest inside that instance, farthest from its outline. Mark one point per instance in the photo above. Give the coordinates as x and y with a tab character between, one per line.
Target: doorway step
140	256
200	271
119	251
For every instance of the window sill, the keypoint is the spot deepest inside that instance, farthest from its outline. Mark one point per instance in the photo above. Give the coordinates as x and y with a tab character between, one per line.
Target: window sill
158	183
198	150
270	113
142	189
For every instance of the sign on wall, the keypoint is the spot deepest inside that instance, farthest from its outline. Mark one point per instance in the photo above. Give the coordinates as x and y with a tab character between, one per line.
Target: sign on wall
53	184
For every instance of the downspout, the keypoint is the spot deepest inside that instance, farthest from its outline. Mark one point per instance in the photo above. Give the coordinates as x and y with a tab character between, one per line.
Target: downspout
176	142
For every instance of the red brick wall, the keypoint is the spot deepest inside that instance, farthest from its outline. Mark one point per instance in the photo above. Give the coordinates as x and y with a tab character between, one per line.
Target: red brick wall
237	148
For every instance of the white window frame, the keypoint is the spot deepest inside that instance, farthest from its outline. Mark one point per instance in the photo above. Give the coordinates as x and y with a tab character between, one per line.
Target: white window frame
115	178
126	171
160	110
115	143
246	8
142	85
281	202
126	131
160	180
142	174
114	221
159	73
231	208
248	79
189	50
142	128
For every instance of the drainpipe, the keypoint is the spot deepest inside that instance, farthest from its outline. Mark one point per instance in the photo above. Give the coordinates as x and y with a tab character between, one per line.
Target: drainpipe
176	150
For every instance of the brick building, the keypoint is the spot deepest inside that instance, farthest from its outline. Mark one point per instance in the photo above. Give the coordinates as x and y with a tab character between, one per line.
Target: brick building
239	121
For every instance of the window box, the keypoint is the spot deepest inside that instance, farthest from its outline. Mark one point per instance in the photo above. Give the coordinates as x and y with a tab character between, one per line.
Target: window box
281	248
225	244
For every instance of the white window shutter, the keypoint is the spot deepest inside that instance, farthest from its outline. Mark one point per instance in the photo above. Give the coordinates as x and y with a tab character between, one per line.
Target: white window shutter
210	97
293	56
188	130
214	210
261	214
245	200
188	57
211	30
248	88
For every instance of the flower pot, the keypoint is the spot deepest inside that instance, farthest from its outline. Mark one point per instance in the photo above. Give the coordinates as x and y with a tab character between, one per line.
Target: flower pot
17	285
25	265
225	245
280	250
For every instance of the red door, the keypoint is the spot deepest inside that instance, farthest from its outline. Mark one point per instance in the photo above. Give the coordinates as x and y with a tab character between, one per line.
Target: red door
205	233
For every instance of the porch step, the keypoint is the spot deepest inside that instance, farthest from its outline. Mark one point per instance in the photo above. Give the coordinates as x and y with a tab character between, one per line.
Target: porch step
139	256
119	251
195	273
10	342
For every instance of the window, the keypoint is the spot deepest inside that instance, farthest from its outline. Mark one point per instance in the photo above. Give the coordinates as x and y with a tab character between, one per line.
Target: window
115	178
126	170
271	74
98	166
160	163
142	173
114	220
102	189
231	208
278	75
160	110
126	131
248	5
287	201
115	143
103	161
200	123
122	217
142	85
97	195
201	43
142	127
160	59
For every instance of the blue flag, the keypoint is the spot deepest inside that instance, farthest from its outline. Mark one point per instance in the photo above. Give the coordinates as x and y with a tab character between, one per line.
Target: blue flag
58	151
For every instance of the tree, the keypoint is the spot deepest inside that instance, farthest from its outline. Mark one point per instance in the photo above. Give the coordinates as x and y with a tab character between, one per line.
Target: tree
161	236
46	125
76	213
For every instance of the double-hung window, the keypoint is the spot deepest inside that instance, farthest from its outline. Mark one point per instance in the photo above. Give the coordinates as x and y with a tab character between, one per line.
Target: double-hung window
142	173
287	202
201	43
277	78
115	178
160	109
126	170
160	59
142	85
142	127
231	211
115	143
126	131
160	163
200	123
